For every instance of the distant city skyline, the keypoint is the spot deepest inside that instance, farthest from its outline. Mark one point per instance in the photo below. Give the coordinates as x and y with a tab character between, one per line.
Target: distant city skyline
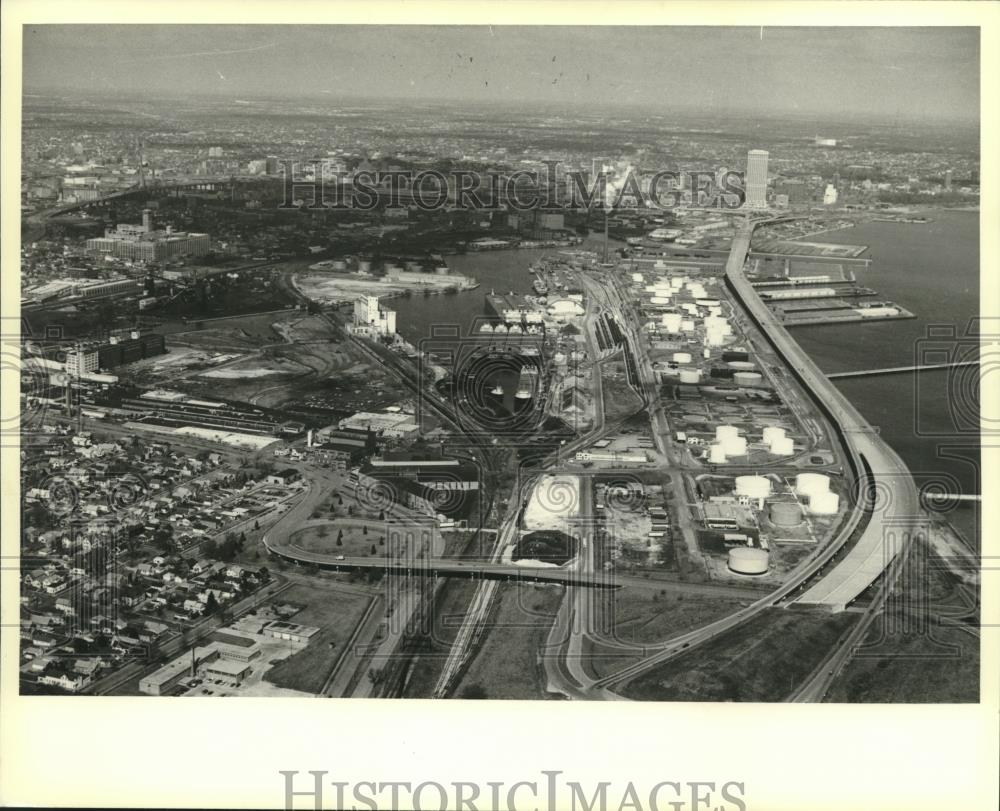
928	73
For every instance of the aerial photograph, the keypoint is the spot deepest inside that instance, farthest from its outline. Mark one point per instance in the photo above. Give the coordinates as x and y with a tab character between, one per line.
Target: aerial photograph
551	363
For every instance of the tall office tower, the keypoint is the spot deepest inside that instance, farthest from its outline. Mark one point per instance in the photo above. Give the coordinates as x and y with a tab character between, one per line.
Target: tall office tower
756	179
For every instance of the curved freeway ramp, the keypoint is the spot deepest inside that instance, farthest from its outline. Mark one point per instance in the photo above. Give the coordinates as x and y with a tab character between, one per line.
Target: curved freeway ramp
887	488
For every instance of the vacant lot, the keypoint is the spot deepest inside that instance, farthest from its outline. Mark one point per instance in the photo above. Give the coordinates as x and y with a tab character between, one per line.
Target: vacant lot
507	664
336	614
643	615
940	666
761	660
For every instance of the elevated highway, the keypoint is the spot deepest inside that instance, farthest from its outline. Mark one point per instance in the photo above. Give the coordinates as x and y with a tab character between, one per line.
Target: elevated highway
885	514
885	491
441	567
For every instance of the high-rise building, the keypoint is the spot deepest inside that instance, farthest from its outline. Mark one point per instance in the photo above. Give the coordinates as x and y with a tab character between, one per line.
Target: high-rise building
756	179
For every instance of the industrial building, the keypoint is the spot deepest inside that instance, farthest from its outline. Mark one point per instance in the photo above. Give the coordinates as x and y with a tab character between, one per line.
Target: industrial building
88	357
372	319
145	243
395	425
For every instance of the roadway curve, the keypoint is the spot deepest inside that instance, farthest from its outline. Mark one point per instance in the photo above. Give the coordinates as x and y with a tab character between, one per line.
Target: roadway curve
890	505
886	487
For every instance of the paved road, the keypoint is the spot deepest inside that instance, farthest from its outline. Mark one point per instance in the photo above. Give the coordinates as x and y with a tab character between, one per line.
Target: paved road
889	527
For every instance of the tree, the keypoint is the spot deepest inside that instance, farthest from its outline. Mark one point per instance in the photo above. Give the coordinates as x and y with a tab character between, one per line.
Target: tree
374	550
211	604
364	530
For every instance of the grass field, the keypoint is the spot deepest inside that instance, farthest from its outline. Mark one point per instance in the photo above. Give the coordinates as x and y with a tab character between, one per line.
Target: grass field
760	660
506	665
940	666
336	614
354	543
647	615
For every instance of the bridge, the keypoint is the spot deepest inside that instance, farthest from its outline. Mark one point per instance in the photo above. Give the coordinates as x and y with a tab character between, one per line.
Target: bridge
892	370
443	567
203	183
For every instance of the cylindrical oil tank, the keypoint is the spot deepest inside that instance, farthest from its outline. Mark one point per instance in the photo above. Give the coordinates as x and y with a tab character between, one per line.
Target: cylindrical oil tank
724	431
682	357
747	560
785	513
486	328
783	446
824	503
744	365
690	375
747	378
735	445
773	432
671	322
808	484
716	454
364	266
753	486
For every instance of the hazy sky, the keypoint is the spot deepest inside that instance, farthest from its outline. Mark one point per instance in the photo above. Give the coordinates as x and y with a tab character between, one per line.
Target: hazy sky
929	72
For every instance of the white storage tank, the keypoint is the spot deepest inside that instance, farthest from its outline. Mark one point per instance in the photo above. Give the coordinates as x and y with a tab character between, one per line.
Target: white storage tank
753	486
809	484
690	375
486	328
735	445
744	365
682	357
671	322
717	454
824	503
773	432
726	431
748	560
783	446
747	378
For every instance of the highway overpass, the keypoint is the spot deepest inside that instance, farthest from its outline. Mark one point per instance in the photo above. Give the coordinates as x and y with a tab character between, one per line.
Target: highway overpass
887	494
443	567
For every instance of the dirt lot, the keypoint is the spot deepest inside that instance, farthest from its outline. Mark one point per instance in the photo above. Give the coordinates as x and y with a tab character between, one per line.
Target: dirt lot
336	614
